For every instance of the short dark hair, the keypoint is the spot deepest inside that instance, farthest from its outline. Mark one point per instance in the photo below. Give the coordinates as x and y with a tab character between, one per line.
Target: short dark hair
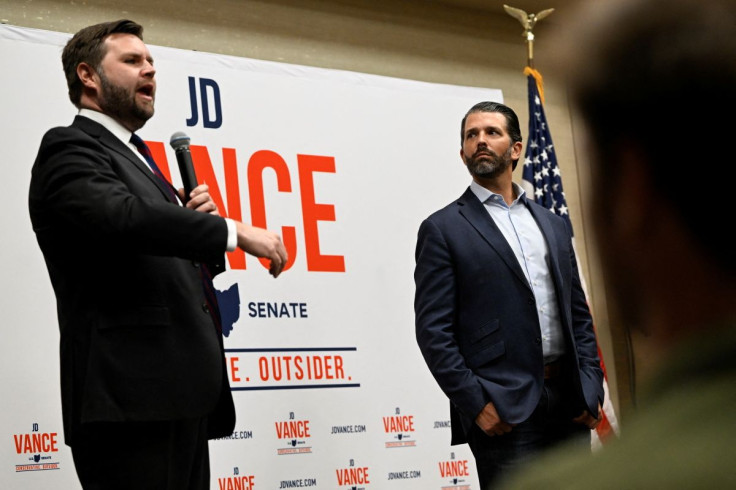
648	70
87	46
512	120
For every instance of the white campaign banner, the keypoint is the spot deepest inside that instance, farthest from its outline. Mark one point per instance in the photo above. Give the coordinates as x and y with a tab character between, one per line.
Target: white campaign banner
330	388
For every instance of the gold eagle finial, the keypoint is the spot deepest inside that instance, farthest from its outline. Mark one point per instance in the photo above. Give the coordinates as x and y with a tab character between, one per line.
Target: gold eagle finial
528	21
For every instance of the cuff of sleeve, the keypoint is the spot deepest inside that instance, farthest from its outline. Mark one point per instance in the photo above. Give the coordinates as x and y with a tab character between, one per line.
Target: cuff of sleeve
232	235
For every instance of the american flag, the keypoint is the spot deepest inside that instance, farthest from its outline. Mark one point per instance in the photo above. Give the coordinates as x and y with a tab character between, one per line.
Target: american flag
541	175
541	179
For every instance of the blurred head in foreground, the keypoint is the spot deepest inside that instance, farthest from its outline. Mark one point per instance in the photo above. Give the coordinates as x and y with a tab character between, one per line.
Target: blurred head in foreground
653	83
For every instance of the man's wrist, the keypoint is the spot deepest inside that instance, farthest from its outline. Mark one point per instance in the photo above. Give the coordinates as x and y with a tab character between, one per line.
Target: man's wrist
232	235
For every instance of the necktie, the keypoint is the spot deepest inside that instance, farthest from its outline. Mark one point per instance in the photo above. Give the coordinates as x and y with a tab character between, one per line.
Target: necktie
144	150
210	305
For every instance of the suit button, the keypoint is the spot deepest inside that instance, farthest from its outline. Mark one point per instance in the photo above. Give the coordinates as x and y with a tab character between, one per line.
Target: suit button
531	301
536	341
205	308
195	264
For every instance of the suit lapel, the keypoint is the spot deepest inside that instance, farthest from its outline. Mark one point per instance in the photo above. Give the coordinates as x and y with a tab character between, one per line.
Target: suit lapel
473	211
109	140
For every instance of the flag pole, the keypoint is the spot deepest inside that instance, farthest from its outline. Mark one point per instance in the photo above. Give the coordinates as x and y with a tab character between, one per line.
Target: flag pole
542	181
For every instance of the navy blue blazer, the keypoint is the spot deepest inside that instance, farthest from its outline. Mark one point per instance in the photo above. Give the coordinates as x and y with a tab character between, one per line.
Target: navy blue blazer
476	320
135	340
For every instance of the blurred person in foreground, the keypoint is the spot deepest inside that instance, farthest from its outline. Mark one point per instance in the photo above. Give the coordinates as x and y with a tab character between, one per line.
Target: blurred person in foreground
655	84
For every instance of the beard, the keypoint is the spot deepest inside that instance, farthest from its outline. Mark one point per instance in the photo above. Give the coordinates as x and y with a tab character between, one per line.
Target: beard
488	166
121	104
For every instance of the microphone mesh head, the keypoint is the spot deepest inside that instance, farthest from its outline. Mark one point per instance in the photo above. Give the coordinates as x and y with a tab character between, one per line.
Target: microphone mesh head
179	140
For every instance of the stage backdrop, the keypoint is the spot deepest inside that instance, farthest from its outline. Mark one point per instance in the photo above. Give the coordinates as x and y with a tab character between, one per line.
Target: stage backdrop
330	388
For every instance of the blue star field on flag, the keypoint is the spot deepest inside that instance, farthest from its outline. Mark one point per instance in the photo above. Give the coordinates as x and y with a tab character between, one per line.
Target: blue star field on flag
541	173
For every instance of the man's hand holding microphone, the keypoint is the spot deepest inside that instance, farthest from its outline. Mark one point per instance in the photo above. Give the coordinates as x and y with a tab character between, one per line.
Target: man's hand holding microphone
251	239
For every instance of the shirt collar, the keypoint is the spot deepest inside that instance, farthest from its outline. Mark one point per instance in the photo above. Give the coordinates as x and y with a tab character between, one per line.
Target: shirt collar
120	131
484	194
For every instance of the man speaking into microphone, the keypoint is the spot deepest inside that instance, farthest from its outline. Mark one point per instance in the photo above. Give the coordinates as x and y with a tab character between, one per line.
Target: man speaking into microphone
143	377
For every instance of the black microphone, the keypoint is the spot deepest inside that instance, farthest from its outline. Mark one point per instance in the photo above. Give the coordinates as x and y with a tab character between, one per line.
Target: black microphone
180	143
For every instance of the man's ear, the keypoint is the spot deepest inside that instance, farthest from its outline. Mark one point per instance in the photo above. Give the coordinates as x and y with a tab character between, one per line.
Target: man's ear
516	152
87	75
634	194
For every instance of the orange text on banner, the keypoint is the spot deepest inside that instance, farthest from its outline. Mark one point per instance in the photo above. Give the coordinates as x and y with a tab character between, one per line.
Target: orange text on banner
312	212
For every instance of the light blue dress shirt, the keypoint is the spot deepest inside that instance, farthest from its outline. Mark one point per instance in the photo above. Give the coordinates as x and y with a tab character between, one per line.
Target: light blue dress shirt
530	248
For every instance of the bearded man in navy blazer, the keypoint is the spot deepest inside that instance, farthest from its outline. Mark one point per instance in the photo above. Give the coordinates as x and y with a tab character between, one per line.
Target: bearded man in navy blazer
501	317
143	377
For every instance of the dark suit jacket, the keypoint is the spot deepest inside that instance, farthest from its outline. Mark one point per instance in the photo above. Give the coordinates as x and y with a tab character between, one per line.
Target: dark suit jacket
476	319
136	343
